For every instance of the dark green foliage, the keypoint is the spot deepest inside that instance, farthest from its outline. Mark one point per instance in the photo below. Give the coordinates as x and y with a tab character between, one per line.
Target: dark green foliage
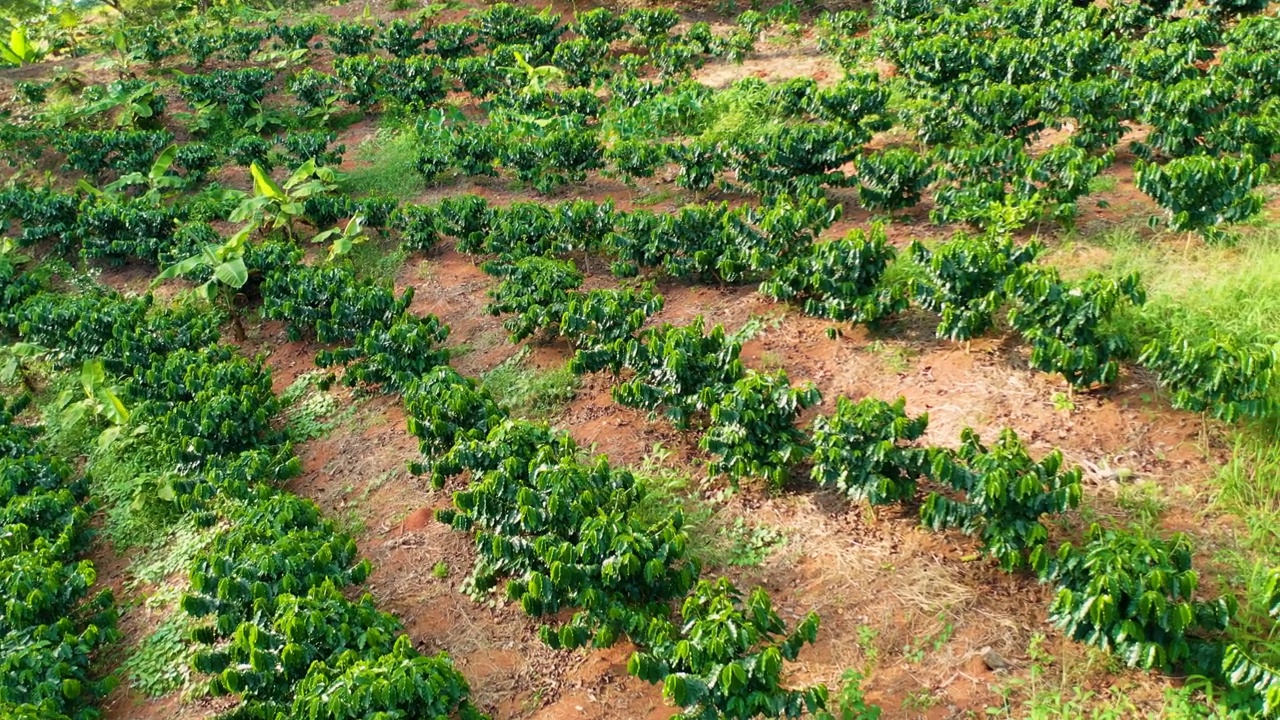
418	226
652	25
279	546
94	152
249	149
118	230
299	147
329	302
401	39
1066	323
725	659
52	622
841	279
237	92
210	402
351	38
893	179
43	214
601	324
1136	596
392	354
1219	375
753	429
599	24
1004	495
680	371
567	535
1200	192
536	291
401	683
444	409
867	450
265	658
964	280
78	327
507	24
313	88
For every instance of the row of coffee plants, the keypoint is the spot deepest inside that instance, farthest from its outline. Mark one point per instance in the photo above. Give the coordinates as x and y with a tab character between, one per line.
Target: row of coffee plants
979	164
54	620
275	627
1122	591
1093	72
966	281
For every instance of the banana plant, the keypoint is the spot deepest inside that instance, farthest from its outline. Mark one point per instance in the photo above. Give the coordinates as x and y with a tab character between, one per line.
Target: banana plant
537	78
157	180
19	365
227	274
134	106
100	400
19	50
277	206
343	239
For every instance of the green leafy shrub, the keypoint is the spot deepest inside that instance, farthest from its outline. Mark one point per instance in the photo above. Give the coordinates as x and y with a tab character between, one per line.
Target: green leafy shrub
964	280
1201	192
867	450
893	179
725	659
1215	375
753	428
1005	493
680	371
400	683
535	290
1136	596
1066	323
841	279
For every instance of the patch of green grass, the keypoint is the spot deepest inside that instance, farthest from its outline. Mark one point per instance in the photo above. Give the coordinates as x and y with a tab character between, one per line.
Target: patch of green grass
387	166
311	412
1230	290
1103	183
170	553
379	258
896	358
1249	487
528	392
716	540
1144	502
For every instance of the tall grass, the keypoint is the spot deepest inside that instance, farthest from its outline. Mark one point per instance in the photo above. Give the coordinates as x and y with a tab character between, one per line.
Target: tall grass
1207	289
387	166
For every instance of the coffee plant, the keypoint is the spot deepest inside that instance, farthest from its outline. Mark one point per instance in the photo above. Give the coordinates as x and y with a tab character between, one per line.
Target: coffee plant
752	430
1000	495
867	450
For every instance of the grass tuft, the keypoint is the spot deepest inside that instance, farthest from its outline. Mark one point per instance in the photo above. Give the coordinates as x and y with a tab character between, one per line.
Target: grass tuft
387	166
528	392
